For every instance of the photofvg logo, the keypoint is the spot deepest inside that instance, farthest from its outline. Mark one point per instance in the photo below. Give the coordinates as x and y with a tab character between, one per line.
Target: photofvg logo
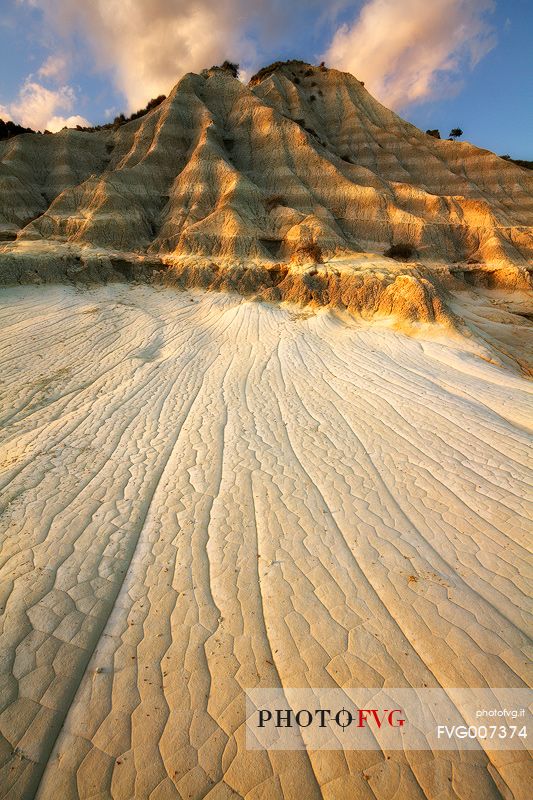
305	717
393	719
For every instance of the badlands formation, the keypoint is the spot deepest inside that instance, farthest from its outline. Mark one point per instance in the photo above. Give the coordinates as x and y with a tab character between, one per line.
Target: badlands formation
314	476
222	175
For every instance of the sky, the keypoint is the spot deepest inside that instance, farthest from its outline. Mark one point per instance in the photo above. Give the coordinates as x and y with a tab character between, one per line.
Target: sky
438	63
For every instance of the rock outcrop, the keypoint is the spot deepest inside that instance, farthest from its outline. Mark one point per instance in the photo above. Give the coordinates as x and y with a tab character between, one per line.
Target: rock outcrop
289	189
303	156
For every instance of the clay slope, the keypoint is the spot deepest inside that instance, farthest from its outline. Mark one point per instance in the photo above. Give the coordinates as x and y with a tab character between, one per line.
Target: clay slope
226	170
203	494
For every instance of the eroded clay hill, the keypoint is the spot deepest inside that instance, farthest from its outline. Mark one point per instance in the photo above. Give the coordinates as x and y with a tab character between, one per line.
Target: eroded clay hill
305	155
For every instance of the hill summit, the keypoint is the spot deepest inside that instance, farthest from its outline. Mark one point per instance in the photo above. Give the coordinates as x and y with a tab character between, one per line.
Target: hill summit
302	154
301	166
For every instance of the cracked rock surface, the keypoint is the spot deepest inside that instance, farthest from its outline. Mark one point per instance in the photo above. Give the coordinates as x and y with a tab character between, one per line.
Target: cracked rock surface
203	494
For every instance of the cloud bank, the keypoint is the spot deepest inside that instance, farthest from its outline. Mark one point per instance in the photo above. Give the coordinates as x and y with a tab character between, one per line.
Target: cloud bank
406	52
413	50
149	44
39	108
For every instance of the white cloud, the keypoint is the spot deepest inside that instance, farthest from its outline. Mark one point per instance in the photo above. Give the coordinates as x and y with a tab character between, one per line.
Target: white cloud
405	50
38	107
413	50
55	67
57	123
149	44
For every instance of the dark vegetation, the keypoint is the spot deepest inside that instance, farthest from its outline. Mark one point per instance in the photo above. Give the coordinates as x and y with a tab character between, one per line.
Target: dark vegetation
402	251
455	133
121	119
518	161
295	63
227	66
10	129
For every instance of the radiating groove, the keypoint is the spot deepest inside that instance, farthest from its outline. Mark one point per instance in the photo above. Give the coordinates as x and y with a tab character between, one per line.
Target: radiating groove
202	494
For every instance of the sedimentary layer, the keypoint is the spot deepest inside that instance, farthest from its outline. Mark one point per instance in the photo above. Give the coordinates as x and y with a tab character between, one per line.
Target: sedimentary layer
303	156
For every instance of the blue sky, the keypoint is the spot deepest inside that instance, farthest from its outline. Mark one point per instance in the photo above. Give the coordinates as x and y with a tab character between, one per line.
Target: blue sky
439	63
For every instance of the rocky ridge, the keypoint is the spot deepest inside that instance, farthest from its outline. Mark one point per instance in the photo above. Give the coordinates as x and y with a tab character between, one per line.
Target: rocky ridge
246	187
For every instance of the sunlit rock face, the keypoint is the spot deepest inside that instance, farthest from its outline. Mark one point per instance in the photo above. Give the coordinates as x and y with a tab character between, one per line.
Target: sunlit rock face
303	155
268	484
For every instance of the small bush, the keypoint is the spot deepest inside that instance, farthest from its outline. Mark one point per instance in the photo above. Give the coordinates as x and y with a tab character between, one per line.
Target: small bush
312	98
122	119
271	68
156	101
403	251
231	67
226	66
434	132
